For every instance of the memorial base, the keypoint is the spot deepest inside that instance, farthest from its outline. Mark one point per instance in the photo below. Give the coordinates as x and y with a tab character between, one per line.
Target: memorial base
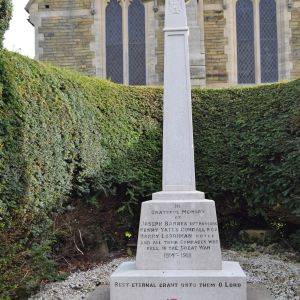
178	235
227	284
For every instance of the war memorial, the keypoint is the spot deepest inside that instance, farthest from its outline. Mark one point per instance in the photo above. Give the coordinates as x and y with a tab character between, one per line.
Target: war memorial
178	253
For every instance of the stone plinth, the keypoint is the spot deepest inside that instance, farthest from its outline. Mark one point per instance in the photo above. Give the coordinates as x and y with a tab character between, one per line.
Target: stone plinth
178	235
178	195
179	255
226	284
254	292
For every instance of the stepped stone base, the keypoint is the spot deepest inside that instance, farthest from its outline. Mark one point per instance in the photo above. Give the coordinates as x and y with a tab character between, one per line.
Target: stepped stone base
254	292
177	195
227	284
178	254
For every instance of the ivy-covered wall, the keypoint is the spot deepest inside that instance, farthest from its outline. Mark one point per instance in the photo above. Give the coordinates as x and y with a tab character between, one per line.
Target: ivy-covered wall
62	134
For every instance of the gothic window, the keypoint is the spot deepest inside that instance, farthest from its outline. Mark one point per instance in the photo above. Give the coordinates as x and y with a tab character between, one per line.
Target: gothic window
136	31
114	42
268	41
257	42
245	41
125	42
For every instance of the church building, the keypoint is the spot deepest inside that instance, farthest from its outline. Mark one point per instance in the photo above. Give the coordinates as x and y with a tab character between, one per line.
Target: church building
232	42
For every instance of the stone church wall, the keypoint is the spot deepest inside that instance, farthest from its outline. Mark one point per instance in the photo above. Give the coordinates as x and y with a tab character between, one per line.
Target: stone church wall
66	42
295	40
71	33
63	4
63	33
159	51
215	42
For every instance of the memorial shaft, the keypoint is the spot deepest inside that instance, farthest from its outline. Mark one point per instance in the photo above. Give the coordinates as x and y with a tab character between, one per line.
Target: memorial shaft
178	150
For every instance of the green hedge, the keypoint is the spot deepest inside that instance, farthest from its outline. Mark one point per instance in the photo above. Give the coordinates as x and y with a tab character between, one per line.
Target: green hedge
5	16
62	133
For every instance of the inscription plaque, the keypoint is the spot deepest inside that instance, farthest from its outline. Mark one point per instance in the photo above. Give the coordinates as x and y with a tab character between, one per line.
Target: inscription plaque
228	283
178	235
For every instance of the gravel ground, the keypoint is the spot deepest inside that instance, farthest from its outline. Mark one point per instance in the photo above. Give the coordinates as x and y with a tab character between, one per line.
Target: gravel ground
279	274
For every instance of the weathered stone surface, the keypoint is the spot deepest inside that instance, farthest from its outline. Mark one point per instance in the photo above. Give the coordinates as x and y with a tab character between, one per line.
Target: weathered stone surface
178	151
72	34
295	40
215	43
66	42
180	235
258	234
63	4
179	195
258	292
254	292
101	293
129	283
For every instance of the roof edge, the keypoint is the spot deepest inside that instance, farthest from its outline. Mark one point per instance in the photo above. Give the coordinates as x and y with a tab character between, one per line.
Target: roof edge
28	5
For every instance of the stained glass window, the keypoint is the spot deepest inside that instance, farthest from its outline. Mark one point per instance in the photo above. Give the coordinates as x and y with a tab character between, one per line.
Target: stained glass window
114	46
136	31
268	41
245	41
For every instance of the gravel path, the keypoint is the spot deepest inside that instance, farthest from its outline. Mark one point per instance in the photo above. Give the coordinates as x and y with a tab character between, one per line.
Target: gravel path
279	274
